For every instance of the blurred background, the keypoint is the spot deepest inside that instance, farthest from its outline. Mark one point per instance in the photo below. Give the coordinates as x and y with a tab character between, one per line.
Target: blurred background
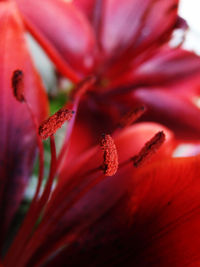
190	11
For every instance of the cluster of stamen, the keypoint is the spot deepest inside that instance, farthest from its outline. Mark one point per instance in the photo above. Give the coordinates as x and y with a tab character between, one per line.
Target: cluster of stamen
149	149
53	123
109	167
18	85
110	156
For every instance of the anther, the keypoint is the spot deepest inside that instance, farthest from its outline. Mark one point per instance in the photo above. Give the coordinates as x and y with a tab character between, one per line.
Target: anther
149	149
53	123
132	116
18	85
110	156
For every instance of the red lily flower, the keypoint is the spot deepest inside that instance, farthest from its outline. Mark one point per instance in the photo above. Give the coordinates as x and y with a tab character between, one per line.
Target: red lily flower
18	139
126	46
144	217
64	220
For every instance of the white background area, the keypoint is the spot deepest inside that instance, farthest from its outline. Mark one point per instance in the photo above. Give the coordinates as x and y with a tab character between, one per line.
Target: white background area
190	11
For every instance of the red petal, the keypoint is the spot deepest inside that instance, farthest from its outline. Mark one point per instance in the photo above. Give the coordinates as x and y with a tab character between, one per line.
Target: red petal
94	10
62	31
132	23
175	109
87	6
167	197
168	66
158	225
17	139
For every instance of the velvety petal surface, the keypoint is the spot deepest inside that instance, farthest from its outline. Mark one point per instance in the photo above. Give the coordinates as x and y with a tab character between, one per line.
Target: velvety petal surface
18	136
155	223
165	66
64	33
176	110
132	24
87	7
169	66
72	45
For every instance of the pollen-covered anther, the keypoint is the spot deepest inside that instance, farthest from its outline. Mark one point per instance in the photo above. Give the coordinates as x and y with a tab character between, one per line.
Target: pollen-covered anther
149	149
18	85
53	123
132	116
110	156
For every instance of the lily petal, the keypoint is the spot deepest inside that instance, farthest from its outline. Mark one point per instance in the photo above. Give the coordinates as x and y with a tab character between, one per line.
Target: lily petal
18	137
155	224
64	33
130	23
167	66
87	7
174	109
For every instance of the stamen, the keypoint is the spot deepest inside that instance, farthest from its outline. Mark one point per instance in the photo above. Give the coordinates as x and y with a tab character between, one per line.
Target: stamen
110	156
18	85
132	116
53	123
149	148
83	86
76	95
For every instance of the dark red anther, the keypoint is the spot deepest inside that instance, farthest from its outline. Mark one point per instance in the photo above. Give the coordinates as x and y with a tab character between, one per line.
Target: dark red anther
132	116
110	156
53	123
149	149
18	85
